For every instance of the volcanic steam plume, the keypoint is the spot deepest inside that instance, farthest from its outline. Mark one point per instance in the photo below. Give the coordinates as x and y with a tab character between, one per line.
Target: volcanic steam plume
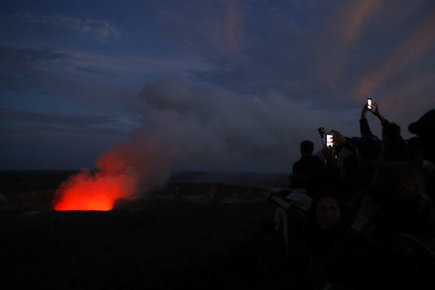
186	126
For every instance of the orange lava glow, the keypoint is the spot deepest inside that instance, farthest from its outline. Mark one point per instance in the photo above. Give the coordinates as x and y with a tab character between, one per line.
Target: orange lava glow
88	191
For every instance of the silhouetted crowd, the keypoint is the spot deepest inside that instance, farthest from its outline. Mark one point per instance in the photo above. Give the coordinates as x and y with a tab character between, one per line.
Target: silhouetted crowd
368	207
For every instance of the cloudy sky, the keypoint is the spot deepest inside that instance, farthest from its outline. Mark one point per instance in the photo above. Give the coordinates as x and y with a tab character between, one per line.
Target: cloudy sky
212	83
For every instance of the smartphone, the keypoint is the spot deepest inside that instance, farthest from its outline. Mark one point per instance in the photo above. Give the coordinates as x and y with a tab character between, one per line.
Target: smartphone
369	103
329	141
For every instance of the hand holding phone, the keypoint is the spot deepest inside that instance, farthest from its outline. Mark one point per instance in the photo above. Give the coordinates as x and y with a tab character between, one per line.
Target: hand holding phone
329	140
369	104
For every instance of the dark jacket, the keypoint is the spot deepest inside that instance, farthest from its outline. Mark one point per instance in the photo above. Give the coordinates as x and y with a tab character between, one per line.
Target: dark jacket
311	167
381	261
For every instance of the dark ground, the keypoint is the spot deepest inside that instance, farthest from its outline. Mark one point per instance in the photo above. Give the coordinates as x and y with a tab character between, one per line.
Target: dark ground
178	240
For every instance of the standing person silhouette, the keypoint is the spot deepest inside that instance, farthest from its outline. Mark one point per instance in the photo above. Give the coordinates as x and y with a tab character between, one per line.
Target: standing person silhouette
309	167
395	145
424	128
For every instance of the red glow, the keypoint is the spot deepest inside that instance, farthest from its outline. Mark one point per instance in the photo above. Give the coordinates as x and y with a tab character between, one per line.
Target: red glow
87	191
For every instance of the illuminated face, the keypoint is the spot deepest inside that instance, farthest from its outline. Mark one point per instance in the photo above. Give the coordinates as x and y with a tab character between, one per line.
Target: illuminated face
327	213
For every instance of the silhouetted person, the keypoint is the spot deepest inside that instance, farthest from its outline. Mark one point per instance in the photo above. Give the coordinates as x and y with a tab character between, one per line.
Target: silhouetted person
417	159
340	162
326	224
383	249
298	195
343	148
373	148
395	146
369	154
308	167
424	129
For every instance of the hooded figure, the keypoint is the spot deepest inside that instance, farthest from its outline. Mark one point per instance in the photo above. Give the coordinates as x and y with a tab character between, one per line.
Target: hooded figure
424	129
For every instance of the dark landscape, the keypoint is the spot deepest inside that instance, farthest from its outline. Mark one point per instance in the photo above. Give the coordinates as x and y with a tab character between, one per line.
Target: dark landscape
199	231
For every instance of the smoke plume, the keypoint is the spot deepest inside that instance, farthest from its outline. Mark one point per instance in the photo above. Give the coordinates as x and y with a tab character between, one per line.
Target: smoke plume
186	126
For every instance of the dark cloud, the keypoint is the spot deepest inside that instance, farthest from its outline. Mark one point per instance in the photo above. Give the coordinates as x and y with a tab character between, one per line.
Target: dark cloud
24	67
34	140
410	52
276	49
340	53
96	80
59	25
81	79
96	124
17	55
41	148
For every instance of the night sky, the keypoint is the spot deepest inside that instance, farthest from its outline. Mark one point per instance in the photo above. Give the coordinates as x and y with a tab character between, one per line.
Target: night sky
205	84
